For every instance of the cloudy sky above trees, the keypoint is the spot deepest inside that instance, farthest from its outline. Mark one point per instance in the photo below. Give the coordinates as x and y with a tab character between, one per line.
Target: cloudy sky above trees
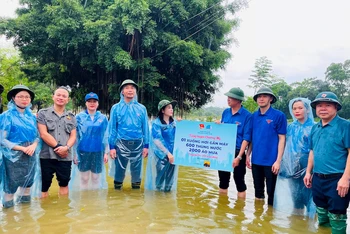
301	38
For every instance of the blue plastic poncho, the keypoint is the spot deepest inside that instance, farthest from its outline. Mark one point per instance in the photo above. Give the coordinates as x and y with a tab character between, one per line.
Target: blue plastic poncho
88	170
160	174
291	195
129	135
21	175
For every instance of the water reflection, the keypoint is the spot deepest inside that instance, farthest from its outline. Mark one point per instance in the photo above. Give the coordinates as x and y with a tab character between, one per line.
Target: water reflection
196	207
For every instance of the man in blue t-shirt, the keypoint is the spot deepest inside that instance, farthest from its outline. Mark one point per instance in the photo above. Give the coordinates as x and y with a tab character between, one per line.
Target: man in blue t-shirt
238	115
329	160
269	128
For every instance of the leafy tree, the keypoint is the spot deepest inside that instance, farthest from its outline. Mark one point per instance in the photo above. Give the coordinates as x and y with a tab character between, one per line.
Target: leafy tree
11	74
250	104
170	48
338	75
261	74
43	94
281	90
308	88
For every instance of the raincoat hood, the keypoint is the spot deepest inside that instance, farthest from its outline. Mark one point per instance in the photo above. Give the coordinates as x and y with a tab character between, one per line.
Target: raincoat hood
308	114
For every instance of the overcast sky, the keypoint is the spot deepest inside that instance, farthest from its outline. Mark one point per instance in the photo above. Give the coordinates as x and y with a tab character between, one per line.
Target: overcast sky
301	38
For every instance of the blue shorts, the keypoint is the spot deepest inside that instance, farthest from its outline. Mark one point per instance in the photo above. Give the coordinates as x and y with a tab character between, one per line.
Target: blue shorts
90	161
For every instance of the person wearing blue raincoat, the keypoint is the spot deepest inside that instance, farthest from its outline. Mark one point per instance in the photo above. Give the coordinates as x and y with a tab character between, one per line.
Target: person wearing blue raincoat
128	135
91	148
161	173
19	147
291	195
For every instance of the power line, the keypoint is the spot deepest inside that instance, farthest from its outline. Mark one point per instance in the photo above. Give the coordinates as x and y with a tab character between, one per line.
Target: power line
194	15
213	21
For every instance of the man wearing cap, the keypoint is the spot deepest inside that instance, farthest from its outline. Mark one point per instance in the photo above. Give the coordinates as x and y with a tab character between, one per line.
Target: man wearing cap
57	128
236	114
329	159
128	135
269	128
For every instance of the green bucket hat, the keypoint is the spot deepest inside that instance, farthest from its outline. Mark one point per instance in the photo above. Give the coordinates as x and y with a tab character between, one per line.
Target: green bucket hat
326	97
18	88
164	103
126	82
236	93
265	90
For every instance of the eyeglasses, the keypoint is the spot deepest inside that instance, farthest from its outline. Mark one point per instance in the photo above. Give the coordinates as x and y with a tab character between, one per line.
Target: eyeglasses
23	97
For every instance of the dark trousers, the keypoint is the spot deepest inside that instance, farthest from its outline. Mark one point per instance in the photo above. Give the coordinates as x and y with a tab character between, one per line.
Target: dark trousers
325	194
165	174
260	175
238	176
51	166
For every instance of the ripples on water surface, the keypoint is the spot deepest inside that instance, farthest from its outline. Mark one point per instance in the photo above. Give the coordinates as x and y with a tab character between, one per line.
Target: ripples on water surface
195	208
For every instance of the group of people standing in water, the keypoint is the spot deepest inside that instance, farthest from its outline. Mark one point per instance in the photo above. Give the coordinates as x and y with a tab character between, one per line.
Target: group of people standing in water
34	149
304	165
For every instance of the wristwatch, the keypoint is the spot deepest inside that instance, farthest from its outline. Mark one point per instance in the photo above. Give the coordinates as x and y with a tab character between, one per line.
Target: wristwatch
68	147
239	157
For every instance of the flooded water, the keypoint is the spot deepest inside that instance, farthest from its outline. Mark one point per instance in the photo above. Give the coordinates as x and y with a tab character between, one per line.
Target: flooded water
195	208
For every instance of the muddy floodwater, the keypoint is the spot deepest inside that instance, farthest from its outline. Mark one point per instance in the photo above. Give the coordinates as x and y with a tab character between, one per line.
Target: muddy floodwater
196	207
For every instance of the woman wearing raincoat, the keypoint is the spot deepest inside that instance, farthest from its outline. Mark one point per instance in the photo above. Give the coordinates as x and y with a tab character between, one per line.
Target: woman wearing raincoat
19	147
291	195
161	173
92	148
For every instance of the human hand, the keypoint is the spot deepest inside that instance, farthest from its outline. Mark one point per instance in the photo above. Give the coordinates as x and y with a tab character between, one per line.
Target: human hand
276	167
171	158
178	119
236	162
145	153
62	151
75	160
308	180
30	149
218	121
343	186
113	153
247	162
105	158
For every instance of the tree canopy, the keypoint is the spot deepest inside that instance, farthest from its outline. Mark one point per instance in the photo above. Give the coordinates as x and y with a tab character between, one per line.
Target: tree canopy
171	48
337	80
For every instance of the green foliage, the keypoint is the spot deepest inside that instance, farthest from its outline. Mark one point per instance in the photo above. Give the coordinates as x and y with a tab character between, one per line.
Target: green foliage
250	104
43	94
308	88
338	75
208	114
11	74
281	89
171	49
261	74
